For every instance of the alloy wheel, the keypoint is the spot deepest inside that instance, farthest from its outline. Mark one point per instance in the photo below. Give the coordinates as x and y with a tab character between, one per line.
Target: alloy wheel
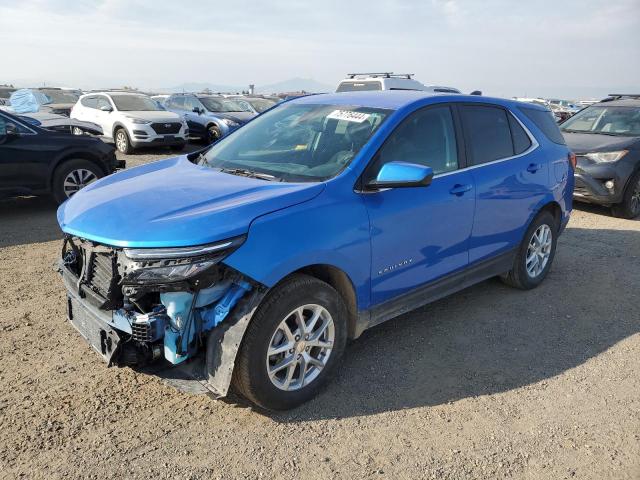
121	141
635	199
300	347
76	180
539	250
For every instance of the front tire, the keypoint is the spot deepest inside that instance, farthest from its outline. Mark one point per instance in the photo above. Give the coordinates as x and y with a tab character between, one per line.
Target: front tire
73	175
292	345
630	206
535	254
123	144
213	134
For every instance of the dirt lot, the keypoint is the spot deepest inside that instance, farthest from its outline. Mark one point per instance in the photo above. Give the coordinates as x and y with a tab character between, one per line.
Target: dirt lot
489	383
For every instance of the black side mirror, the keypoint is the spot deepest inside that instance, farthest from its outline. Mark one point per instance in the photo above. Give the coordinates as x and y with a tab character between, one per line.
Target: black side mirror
197	110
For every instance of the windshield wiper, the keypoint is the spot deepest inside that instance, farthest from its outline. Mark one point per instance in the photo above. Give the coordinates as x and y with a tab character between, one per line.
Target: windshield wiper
243	172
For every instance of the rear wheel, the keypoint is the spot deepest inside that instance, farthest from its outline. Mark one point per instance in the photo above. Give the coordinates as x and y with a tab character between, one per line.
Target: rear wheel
535	254
73	175
292	345
123	144
630	205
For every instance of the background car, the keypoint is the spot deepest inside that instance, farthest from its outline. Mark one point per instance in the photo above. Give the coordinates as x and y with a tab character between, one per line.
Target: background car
257	105
356	82
36	161
5	93
62	100
132	120
606	139
209	117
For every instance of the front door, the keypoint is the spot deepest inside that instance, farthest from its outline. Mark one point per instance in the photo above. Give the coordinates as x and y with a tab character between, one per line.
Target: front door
420	234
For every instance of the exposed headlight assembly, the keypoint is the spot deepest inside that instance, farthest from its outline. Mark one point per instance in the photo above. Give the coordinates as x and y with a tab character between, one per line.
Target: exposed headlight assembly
164	265
606	156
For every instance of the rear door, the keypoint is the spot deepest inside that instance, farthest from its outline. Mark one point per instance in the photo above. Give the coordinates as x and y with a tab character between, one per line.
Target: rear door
420	234
510	178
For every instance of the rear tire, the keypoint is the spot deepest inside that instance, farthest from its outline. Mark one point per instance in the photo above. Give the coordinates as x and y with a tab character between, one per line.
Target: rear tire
630	206
535	254
73	175
275	326
121	139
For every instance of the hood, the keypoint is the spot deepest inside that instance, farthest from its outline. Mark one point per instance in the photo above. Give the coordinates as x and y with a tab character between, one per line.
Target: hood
154	115
174	203
581	143
238	117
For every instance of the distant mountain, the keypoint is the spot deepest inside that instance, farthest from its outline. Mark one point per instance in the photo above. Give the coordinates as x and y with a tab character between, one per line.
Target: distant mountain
295	85
292	85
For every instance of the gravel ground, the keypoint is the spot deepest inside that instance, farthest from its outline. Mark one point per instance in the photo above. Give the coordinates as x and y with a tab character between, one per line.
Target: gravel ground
488	383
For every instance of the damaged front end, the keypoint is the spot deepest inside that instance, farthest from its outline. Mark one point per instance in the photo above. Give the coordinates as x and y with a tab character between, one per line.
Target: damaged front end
142	306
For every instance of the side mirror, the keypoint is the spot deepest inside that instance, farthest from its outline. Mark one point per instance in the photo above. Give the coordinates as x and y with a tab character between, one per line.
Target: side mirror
11	130
197	110
106	108
402	175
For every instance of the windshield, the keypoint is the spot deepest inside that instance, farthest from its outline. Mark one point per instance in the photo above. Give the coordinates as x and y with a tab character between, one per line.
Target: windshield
606	120
135	103
222	105
260	104
60	96
358	86
298	142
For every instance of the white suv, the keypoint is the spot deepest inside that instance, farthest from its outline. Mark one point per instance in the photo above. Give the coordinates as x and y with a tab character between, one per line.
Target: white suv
387	81
132	120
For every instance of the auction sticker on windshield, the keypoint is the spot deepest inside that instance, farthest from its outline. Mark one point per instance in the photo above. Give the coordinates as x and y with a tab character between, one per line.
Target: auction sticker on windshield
348	116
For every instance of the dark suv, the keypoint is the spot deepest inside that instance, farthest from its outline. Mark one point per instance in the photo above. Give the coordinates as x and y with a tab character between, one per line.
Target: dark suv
606	139
36	160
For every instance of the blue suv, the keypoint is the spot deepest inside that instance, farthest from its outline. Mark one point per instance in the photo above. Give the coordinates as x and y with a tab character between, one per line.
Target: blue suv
209	117
251	263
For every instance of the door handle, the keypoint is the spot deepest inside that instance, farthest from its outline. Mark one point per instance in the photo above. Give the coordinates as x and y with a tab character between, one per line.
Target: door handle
459	189
533	167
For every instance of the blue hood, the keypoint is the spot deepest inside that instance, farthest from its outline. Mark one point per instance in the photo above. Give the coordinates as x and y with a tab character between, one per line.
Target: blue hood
174	203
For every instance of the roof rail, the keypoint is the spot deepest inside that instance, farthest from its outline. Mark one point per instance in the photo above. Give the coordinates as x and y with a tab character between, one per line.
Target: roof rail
618	96
381	74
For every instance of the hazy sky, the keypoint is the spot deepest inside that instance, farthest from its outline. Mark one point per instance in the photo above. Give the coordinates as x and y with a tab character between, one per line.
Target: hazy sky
501	47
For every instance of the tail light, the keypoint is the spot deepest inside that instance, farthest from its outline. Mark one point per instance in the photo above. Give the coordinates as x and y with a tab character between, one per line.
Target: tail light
573	160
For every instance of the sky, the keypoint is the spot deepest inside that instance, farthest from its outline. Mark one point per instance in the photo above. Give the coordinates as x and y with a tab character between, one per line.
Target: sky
566	48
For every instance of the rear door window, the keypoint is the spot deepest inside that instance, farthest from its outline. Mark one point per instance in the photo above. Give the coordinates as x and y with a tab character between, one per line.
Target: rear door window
89	102
521	141
487	133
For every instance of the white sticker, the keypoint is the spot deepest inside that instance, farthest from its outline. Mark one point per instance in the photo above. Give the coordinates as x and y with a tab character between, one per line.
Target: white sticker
348	116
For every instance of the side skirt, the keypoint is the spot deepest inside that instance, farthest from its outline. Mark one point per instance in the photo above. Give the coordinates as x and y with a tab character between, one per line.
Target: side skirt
435	290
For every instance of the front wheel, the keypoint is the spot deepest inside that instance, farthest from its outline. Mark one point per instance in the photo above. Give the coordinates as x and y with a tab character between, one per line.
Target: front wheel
123	144
213	134
73	175
292	345
535	254
630	206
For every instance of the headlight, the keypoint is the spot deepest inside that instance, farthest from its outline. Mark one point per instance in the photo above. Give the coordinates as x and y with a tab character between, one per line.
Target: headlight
606	156
164	265
229	123
139	121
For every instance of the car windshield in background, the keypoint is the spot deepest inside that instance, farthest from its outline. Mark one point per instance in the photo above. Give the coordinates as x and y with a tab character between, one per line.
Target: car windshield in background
135	103
222	105
298	142
358	86
60	96
260	104
606	120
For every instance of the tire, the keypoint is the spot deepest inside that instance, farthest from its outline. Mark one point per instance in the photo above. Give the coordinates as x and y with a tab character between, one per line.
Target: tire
251	378
73	175
213	134
177	148
630	206
527	278
122	141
